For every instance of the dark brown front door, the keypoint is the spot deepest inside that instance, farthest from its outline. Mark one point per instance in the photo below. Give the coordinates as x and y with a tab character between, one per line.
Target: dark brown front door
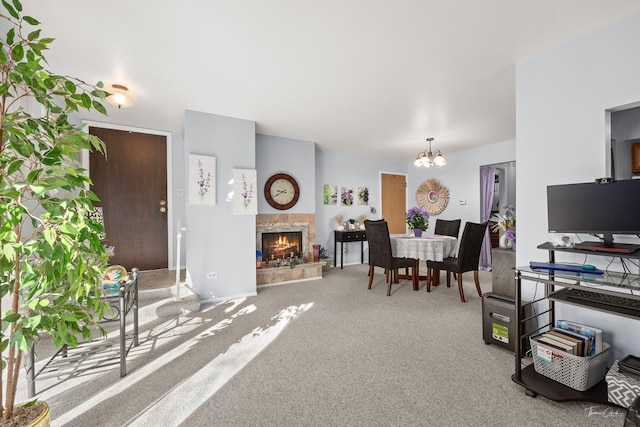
131	183
394	202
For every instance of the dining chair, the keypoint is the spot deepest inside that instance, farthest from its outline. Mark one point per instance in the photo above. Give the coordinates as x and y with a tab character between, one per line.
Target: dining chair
447	227
380	254
468	258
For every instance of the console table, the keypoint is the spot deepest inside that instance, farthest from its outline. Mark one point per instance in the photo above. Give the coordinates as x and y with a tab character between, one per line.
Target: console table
348	236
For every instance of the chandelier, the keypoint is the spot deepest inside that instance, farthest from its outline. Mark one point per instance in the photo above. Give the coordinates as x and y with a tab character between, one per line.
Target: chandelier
427	158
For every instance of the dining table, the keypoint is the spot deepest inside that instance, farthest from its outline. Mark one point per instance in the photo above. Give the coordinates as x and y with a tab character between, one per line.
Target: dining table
428	247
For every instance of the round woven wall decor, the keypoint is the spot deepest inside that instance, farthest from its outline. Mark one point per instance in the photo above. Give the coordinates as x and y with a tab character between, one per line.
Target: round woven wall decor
432	197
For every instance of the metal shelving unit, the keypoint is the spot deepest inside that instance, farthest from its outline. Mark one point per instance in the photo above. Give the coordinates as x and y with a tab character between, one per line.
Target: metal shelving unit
557	285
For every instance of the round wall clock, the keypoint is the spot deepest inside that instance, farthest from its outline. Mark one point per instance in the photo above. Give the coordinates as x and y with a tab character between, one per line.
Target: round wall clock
281	191
432	197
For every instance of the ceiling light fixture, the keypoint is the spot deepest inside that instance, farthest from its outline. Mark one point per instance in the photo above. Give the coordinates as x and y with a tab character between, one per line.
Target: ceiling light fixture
427	158
120	96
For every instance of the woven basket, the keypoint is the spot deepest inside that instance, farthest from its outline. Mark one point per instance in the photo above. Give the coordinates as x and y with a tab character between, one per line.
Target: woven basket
579	373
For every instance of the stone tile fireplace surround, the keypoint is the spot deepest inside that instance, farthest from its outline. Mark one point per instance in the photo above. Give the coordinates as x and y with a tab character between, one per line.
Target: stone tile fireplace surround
306	223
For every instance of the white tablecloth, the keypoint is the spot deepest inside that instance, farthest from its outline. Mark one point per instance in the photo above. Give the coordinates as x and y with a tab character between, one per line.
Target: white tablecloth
428	247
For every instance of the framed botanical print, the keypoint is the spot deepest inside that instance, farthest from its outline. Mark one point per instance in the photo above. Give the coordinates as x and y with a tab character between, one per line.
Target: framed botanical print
202	180
244	192
330	194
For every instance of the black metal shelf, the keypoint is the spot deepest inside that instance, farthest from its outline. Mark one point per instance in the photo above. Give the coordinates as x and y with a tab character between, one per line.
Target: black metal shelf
535	383
549	247
562	296
557	286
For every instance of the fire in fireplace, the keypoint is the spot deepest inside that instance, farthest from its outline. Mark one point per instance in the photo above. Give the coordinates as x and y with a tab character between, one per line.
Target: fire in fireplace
281	245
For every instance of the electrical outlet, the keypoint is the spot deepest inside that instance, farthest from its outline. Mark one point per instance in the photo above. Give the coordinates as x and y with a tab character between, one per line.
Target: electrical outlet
212	275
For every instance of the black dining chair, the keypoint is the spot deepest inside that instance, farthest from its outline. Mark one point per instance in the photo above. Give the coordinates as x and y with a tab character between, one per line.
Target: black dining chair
468	258
380	254
447	227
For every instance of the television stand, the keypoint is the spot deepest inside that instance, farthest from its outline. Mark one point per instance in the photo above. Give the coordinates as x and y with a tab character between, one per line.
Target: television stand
617	248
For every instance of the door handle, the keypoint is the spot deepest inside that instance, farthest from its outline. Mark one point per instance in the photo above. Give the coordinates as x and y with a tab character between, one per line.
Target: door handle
163	209
163	202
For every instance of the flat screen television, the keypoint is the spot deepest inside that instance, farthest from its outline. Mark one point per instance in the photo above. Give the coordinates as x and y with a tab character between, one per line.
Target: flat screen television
596	209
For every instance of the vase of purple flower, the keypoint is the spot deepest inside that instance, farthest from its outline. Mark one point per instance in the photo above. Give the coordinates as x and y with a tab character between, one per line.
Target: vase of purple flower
508	239
418	220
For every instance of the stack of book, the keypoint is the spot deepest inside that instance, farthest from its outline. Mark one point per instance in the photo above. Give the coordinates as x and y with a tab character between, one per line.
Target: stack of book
573	338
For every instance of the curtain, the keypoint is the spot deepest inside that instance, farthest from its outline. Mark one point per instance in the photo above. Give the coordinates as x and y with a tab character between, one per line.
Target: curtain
487	179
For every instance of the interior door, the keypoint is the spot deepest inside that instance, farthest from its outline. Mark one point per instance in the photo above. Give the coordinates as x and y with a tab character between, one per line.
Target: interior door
394	202
131	182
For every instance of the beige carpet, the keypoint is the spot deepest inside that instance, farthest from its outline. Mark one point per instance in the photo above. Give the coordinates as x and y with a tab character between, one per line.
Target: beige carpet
320	353
158	279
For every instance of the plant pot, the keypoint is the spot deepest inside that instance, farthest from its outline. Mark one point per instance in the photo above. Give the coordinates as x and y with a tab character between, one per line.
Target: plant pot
417	232
44	417
44	420
505	242
327	264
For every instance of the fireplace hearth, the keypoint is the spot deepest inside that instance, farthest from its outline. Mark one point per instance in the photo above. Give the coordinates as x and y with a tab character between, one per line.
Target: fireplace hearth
294	231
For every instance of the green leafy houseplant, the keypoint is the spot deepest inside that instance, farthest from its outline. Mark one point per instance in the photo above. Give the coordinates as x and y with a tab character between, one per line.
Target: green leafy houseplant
51	257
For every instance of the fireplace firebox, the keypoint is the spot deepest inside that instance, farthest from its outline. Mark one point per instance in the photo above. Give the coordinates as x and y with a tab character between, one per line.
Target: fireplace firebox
281	240
282	245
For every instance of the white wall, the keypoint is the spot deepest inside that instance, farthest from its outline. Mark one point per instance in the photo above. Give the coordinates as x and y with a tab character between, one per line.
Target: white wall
216	240
510	183
561	133
291	156
348	171
462	176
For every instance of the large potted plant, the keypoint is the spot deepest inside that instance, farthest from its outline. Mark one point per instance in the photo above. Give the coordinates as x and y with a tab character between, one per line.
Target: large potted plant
51	257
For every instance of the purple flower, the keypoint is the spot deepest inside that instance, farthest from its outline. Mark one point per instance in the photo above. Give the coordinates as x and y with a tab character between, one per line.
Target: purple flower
203	183
347	197
511	235
417	218
247	193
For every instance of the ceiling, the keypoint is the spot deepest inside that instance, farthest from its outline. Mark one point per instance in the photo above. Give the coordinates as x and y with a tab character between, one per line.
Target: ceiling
372	77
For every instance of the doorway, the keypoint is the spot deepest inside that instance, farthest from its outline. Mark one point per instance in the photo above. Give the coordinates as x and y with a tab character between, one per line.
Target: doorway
624	143
131	182
394	201
497	193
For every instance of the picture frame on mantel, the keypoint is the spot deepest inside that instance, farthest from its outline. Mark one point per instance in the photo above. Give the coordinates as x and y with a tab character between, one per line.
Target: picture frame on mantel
202	180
